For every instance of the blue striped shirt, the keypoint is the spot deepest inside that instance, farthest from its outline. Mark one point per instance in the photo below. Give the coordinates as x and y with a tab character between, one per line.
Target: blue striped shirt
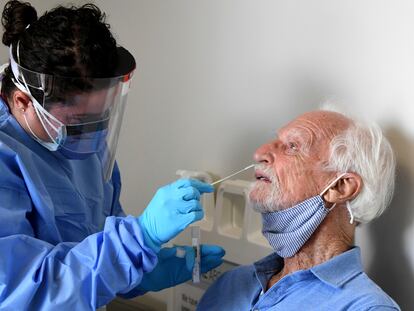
337	284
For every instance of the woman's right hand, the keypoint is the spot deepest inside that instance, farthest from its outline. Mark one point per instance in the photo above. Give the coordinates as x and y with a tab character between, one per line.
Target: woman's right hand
172	209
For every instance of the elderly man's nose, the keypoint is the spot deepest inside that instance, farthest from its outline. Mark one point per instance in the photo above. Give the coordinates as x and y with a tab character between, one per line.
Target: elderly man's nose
264	154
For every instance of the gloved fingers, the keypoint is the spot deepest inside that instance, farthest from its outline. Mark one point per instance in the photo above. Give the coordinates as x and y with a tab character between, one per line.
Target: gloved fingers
211	257
191	217
189	258
190	206
210	262
167	252
208	249
199	185
189	193
180	252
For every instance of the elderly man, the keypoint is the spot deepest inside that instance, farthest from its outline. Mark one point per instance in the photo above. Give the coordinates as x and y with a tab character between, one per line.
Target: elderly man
322	176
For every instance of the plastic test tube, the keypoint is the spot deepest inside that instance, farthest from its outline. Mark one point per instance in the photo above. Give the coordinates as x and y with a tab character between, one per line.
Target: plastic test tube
195	242
196	233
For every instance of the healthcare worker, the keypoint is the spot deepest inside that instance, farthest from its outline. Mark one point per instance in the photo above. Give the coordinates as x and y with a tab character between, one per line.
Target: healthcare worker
65	243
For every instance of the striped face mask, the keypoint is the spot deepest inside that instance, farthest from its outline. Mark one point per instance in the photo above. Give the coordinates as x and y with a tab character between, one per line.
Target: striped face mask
289	229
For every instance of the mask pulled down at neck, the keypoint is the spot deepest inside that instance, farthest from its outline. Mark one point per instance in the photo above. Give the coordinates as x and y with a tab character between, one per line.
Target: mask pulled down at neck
289	229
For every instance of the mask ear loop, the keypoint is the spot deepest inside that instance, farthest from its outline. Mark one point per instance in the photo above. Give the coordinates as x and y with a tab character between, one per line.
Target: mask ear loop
351	215
332	183
348	206
40	114
30	129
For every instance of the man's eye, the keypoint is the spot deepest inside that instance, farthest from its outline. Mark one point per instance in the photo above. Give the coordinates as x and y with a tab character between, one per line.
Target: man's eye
293	146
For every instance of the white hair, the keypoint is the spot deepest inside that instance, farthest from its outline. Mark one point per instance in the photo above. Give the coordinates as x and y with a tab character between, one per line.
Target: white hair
364	150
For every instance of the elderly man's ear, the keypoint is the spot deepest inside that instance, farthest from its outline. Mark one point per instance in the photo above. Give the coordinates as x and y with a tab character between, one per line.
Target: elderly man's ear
346	189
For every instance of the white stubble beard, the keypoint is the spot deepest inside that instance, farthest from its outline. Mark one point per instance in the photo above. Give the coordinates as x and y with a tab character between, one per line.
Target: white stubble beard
266	201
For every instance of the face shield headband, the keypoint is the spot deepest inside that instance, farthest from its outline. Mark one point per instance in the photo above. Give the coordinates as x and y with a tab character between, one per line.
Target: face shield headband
49	122
80	116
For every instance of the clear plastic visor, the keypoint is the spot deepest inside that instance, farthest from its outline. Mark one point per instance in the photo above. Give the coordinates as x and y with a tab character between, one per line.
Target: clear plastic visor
82	114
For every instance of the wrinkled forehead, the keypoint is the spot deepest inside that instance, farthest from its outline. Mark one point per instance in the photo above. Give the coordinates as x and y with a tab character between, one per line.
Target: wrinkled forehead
317	127
318	124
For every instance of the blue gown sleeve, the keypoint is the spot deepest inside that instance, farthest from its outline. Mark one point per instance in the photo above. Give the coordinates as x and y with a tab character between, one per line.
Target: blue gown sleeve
36	275
116	182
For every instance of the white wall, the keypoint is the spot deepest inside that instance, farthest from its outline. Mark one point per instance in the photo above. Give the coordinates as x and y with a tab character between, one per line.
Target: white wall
215	78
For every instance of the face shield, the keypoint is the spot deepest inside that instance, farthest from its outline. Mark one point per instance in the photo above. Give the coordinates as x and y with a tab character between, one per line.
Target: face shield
80	115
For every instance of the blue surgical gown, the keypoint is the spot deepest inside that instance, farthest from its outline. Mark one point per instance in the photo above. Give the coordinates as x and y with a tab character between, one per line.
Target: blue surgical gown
65	243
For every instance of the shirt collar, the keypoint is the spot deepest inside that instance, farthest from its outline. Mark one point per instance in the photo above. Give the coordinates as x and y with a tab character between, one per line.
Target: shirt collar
340	269
335	272
266	267
268	264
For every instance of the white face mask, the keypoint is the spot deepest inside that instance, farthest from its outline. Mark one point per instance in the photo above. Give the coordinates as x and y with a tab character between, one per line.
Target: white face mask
55	143
44	117
49	123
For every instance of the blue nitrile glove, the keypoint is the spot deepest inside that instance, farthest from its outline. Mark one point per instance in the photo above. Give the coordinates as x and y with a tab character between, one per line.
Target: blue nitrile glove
172	209
172	270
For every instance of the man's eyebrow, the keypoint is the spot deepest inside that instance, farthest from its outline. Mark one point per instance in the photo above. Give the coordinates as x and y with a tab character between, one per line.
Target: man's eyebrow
298	133
303	137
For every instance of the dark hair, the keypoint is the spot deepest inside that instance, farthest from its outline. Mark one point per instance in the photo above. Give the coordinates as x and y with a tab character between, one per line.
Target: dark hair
66	41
